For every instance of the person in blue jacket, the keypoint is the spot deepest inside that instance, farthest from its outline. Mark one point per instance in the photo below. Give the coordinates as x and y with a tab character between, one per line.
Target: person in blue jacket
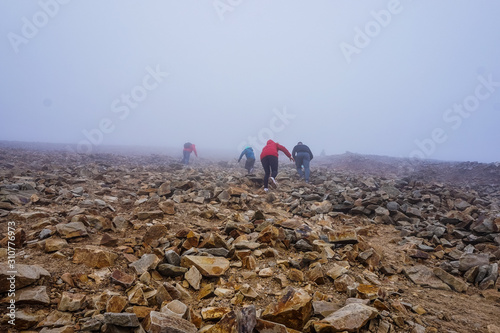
249	154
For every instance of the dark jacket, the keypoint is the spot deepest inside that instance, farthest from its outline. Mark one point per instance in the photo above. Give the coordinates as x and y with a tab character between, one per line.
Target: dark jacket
301	149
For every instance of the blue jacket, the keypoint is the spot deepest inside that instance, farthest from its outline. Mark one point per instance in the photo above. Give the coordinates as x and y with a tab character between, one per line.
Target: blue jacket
248	152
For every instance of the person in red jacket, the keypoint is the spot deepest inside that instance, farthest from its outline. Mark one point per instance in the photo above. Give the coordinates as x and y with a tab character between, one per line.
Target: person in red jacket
188	149
269	160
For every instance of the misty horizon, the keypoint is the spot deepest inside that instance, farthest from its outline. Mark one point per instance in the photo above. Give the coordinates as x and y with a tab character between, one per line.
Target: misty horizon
390	78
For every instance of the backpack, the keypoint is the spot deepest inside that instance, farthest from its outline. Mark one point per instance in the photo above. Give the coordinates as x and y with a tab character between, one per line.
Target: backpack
187	145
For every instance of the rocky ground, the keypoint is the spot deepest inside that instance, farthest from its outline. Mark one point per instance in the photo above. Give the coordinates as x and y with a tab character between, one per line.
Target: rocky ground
117	243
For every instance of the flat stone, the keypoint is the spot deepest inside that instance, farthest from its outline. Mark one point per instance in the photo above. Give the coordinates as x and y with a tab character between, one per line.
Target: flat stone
25	320
108	240
90	324
121	319
55	244
122	279
336	271
323	308
71	230
168	270
343	237
241	245
176	308
94	256
155	214
425	277
25	276
455	283
213	313
193	277
33	295
64	329
266	326
216	252
366	291
163	323
351	318
469	260
164	189
208	266
223	292
154	233
57	318
142	311
145	263
266	272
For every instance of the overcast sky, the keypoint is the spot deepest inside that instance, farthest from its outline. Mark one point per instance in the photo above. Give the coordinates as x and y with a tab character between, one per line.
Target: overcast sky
399	78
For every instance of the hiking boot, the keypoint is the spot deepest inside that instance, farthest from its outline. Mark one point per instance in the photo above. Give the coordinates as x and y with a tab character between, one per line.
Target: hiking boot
266	190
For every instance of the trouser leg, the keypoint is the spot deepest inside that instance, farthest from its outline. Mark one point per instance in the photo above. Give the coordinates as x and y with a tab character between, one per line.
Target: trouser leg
306	163
267	170
274	166
298	165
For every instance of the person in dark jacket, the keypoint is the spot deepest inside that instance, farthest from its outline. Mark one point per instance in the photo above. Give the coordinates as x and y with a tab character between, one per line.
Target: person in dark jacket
269	160
186	153
248	152
303	156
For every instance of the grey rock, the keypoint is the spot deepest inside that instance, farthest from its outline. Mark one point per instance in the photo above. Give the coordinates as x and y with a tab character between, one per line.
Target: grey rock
469	260
217	252
172	258
425	277
121	319
168	270
147	262
303	245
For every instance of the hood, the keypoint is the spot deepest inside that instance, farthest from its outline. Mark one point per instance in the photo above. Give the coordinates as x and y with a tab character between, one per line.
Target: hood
270	142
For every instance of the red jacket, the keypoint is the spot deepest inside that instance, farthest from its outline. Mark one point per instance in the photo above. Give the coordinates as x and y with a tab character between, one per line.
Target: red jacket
192	149
271	148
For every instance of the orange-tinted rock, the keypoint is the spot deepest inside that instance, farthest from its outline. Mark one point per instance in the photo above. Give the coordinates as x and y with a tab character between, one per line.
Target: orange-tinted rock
94	257
292	310
208	266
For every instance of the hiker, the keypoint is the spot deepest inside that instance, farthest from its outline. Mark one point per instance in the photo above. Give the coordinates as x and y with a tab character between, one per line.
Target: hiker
248	152
188	149
302	156
269	160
